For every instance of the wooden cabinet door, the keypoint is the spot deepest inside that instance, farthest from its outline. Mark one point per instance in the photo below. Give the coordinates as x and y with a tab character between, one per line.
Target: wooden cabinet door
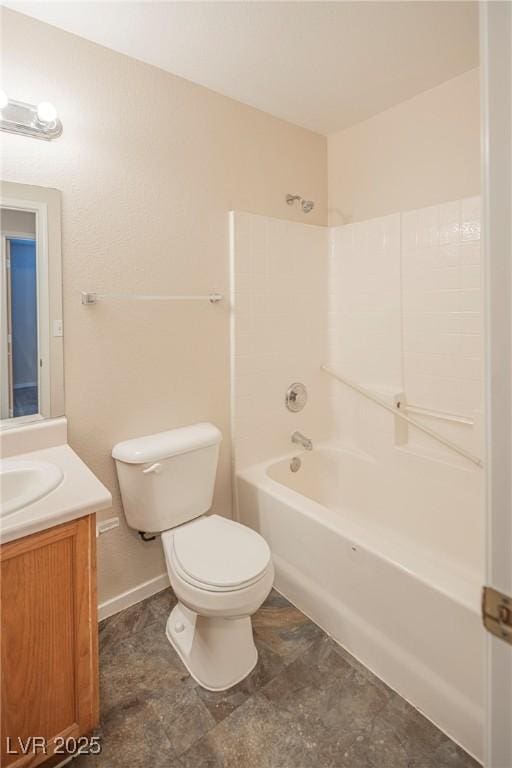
49	650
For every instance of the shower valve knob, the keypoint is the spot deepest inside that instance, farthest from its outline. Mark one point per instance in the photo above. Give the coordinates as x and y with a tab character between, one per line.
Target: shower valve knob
296	397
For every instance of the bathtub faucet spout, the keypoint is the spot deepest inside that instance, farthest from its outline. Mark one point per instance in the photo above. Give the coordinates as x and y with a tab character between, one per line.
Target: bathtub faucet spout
299	439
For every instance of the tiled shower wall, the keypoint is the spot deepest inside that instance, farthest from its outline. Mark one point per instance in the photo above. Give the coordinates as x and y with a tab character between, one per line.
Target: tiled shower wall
279	286
406	317
364	327
364	321
442	317
392	303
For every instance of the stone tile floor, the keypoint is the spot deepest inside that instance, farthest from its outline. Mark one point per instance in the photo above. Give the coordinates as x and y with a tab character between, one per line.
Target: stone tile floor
308	703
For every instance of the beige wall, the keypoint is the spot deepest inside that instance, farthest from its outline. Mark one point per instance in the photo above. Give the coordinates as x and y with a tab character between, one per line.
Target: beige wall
18	222
422	152
149	166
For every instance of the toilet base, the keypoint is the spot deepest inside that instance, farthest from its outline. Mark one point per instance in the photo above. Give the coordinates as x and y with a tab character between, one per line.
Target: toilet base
217	652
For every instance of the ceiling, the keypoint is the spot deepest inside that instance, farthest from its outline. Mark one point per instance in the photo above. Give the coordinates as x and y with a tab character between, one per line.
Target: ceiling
321	65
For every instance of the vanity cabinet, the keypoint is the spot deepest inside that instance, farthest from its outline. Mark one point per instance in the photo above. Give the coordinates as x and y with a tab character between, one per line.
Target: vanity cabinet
49	647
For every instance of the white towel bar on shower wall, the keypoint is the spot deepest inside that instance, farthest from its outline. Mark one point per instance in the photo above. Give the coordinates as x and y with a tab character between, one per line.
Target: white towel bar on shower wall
93	298
418	425
455	418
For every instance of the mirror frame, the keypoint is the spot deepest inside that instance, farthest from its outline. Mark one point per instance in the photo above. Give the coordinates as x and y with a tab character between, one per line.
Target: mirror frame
45	203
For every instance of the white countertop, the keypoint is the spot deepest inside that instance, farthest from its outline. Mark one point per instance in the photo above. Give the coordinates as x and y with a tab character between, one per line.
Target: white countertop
79	493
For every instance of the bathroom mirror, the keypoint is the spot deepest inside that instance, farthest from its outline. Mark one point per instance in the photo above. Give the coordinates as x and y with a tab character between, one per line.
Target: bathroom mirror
31	341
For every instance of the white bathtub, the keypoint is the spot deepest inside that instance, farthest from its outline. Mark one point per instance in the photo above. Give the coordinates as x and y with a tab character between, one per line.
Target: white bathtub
368	575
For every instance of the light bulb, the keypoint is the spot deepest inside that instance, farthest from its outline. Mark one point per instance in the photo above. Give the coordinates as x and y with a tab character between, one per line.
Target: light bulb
46	112
4	99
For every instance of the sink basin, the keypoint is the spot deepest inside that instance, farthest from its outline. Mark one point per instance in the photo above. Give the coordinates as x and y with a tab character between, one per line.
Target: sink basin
22	482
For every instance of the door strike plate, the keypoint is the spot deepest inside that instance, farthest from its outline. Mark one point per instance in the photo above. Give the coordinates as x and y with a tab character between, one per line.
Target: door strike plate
497	613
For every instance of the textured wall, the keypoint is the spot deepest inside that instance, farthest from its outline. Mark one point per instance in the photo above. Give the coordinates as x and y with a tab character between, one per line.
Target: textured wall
149	166
422	152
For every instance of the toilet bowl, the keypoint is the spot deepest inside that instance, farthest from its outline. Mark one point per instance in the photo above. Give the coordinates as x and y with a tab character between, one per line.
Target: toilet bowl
221	571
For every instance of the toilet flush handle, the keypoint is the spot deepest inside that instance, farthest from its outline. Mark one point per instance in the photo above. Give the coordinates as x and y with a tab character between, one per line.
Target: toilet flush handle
153	469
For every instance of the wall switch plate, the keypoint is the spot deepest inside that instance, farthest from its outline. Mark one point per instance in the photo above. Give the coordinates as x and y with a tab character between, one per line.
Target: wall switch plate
107	525
57	327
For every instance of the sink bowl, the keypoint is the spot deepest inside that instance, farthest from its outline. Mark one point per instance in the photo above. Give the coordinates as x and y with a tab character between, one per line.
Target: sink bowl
22	482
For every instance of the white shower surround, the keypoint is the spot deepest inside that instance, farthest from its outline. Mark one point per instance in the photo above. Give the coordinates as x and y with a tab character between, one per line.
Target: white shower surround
395	304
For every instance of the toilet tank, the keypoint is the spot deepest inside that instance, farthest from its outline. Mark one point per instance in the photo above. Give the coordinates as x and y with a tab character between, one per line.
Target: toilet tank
168	478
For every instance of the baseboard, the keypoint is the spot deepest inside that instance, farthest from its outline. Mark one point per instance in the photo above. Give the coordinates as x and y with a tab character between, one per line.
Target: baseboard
132	596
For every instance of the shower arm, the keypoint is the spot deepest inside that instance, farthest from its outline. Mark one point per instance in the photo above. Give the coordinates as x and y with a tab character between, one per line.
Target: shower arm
417	424
306	205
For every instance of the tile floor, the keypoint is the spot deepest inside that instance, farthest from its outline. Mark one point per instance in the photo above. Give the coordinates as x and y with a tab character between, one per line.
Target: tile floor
308	703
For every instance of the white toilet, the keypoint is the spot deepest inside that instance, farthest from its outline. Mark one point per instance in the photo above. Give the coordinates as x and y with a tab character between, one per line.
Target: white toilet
221	571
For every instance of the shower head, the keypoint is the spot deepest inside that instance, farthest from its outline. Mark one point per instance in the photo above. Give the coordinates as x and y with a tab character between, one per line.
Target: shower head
306	205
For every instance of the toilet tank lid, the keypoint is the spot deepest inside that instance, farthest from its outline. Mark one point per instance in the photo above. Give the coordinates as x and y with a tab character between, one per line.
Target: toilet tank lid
163	445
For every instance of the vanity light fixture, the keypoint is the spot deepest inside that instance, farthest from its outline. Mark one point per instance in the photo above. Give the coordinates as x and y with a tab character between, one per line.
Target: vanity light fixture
39	122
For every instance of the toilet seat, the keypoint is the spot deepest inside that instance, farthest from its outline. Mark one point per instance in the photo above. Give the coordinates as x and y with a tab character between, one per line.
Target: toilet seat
216	554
